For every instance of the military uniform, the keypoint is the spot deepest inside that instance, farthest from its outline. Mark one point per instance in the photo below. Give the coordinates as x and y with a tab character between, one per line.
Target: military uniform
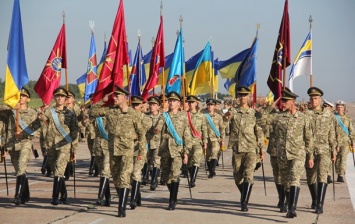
171	149
90	134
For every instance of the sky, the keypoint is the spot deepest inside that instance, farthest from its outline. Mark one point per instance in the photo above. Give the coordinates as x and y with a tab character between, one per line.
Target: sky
231	24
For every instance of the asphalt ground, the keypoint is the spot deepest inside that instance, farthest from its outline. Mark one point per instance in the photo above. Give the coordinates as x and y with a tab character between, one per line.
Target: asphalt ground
213	200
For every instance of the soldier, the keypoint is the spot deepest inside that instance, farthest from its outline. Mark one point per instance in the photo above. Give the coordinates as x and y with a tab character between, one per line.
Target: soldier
322	123
293	140
198	126
61	133
22	125
246	140
329	106
123	127
345	136
215	136
175	145
43	131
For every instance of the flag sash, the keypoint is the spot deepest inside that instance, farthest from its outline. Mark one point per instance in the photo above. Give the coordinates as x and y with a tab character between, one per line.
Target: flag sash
210	122
171	129
194	131
101	128
341	124
59	126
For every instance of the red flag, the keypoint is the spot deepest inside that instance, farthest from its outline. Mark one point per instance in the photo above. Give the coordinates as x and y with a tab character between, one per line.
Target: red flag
50	76
116	57
282	55
157	61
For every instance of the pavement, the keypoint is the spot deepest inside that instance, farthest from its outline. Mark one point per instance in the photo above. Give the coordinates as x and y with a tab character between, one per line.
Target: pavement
213	200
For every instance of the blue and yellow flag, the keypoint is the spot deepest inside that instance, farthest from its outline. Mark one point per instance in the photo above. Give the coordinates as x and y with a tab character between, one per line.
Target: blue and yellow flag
102	60
16	71
190	66
177	67
138	77
91	73
81	82
229	67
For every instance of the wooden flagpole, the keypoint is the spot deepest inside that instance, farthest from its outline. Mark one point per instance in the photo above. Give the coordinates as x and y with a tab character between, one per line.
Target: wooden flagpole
310	30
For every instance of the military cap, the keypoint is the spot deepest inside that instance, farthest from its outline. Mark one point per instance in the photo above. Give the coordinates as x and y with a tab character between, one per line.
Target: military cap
70	93
340	102
136	99
218	101
161	97
327	103
120	91
192	98
287	94
154	99
60	91
174	95
314	91
25	92
211	101
243	90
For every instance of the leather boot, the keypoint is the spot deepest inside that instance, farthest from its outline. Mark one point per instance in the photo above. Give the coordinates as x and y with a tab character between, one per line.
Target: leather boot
174	188
329	179
67	172
282	195
169	187
56	188
63	192
194	171
154	180
20	187
44	164
145	174
26	192
139	199
107	202
102	190
134	193
313	191
322	189
240	188
212	168
96	171
91	167
49	171
292	202
122	201
246	191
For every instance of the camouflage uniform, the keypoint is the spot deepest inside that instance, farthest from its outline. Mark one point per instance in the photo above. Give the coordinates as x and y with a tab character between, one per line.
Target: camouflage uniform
91	134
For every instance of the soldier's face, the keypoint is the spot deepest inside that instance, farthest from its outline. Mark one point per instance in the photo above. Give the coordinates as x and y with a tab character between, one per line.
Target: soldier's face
210	107
118	99
70	99
23	99
340	109
192	105
243	98
60	100
173	104
315	101
286	104
153	107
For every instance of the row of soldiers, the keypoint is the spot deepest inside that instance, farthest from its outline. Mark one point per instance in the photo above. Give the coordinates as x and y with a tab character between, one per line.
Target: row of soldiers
124	141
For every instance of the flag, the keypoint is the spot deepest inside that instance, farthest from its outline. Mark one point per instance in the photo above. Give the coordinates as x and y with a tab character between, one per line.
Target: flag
81	82
203	73
16	71
116	57
303	61
50	76
229	67
177	67
157	61
137	78
190	66
102	60
269	98
91	73
282	55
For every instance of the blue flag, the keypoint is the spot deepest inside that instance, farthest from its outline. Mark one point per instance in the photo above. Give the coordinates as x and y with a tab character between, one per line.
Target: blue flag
91	73
246	73
138	77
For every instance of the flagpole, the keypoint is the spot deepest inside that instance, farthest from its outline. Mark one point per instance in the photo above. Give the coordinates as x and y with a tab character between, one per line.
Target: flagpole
310	30
183	84
66	69
163	73
139	60
255	94
153	41
128	78
212	81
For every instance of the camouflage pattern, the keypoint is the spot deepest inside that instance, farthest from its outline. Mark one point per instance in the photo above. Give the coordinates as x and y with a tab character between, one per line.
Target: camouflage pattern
153	140
58	148
343	143
275	169
213	142
100	149
123	128
90	133
323	129
169	151
79	117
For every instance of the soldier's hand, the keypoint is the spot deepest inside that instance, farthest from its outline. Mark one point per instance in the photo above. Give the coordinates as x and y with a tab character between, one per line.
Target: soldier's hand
262	156
18	135
74	157
105	98
184	161
338	149
139	157
310	163
155	131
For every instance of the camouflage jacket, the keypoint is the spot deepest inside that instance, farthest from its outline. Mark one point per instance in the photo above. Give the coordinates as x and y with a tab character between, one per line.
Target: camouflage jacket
293	135
341	136
218	123
123	128
200	123
151	121
272	146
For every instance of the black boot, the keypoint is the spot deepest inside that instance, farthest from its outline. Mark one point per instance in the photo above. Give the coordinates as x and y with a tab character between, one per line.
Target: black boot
240	188
26	192
96	171
174	188
145	174
246	190
107	202
169	187
212	168
292	202
91	167
63	192
102	190
135	193
322	189
67	171
49	171
20	187
56	188
184	171
154	180
282	195
139	199
44	164
329	179
313	191
194	171
122	201
340	179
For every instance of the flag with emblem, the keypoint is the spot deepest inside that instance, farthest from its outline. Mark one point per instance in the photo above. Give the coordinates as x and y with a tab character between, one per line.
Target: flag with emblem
91	73
138	78
51	74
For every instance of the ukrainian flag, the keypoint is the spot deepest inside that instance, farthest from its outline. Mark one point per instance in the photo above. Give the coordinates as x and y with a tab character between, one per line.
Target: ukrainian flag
190	66
16	71
229	67
81	82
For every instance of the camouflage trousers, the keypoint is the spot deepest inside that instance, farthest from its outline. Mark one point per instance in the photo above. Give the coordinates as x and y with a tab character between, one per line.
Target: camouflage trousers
319	172
195	155
212	150
91	146
153	158
58	159
121	170
243	167
137	169
170	168
102	157
20	155
340	162
291	171
275	169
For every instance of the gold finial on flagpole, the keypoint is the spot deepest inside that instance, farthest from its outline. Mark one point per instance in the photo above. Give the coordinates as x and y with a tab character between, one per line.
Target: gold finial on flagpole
92	25
153	41
257	28
63	15
161	8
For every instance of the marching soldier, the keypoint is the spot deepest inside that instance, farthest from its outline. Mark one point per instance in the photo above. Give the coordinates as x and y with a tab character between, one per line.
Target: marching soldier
329	106
175	145
345	136
123	127
294	141
246	140
322	123
198	126
61	133
22	125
